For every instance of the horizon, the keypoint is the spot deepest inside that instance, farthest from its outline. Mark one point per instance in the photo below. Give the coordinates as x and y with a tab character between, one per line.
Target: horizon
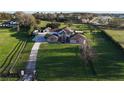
97	12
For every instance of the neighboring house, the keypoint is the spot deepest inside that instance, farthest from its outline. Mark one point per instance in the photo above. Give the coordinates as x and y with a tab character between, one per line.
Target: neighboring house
52	39
77	39
79	17
121	16
101	20
9	24
84	20
61	16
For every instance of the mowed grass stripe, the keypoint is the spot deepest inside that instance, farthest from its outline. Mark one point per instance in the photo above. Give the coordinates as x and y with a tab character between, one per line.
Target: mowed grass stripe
14	61
13	67
13	57
9	58
7	42
5	60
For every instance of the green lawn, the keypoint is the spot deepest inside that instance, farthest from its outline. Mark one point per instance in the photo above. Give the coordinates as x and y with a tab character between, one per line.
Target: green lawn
16	42
61	62
117	35
43	23
109	63
7	42
80	27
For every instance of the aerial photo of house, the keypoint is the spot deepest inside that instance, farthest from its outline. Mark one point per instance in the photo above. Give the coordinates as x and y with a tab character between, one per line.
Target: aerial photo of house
60	46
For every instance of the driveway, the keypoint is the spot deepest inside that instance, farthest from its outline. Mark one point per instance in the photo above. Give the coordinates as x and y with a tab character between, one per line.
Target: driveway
29	74
39	37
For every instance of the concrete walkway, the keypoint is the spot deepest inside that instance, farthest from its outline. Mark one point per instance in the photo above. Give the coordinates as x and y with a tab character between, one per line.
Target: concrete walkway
30	69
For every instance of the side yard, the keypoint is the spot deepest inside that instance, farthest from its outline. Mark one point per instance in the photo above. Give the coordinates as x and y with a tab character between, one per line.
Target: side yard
14	52
109	63
7	42
117	36
60	62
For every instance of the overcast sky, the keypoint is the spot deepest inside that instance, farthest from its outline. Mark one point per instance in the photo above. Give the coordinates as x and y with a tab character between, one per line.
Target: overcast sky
63	5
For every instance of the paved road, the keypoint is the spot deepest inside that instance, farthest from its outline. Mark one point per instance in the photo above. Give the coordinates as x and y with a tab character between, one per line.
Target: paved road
30	69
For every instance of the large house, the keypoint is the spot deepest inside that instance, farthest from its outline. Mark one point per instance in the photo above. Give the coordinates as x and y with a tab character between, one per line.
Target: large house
64	35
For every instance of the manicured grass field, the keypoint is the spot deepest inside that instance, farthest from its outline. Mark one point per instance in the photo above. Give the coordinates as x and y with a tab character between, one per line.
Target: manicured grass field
109	63
60	62
14	51
7	42
79	27
117	35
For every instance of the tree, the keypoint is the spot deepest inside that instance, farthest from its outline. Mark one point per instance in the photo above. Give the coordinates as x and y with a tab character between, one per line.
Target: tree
26	22
87	54
116	22
53	25
5	16
38	21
